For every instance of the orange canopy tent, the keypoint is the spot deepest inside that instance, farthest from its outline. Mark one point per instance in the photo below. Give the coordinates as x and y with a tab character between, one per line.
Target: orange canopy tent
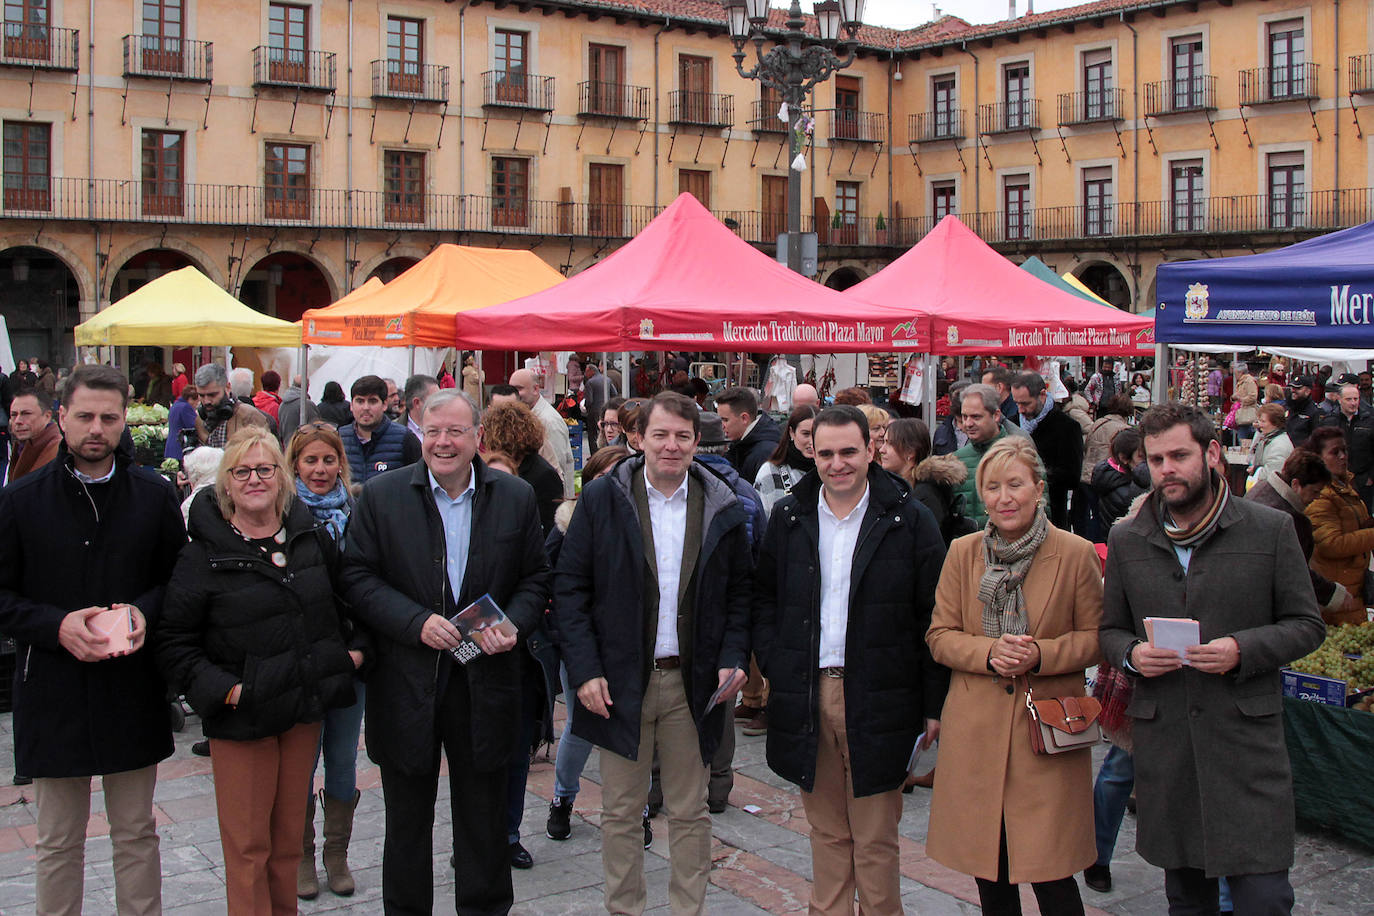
417	308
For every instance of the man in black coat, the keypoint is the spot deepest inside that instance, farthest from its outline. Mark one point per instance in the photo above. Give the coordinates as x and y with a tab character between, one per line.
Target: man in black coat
1356	422
844	591
86	534
652	616
423	543
1303	415
1057	437
755	434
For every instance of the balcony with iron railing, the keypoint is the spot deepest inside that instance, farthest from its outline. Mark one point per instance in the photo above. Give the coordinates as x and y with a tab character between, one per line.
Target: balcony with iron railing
1167	97
617	101
410	82
1264	85
858	126
310	71
1361	78
1091	106
941	124
517	89
701	109
40	47
1008	117
155	57
133	201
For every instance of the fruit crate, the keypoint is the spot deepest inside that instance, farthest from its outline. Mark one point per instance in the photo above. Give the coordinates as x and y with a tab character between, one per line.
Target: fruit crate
1299	685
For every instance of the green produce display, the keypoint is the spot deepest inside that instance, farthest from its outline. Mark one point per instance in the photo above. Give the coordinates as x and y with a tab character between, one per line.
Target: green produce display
1347	654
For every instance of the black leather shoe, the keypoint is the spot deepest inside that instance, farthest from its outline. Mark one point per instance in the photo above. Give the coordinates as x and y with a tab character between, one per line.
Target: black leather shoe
201	748
22	780
1098	877
520	856
717	806
648	834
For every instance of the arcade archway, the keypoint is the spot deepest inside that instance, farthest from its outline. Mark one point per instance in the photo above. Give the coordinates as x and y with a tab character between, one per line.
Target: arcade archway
38	297
284	285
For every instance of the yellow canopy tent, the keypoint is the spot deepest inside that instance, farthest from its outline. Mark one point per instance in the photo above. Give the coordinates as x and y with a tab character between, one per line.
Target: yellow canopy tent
184	308
417	308
1078	285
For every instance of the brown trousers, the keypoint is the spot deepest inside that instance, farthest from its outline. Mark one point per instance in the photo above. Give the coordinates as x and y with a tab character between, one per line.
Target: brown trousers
853	840
755	691
260	794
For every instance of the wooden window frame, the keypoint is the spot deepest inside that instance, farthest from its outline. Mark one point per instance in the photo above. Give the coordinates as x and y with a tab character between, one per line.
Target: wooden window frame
510	191
283	199
404	74
26	189
403	185
162	196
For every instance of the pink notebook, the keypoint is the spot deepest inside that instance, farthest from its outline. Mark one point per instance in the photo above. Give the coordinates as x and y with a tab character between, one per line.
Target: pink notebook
116	623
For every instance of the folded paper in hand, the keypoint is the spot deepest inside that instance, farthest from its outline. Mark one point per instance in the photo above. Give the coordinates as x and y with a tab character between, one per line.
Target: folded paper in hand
1177	633
720	691
916	753
115	623
482	614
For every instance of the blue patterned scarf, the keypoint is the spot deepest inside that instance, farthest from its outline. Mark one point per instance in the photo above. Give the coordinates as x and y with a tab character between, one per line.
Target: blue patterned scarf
331	508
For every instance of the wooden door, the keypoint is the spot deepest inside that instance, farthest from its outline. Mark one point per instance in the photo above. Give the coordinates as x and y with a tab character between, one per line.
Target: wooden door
774	206
696	182
288	42
846	107
694	80
605	210
26	30
606	73
162	36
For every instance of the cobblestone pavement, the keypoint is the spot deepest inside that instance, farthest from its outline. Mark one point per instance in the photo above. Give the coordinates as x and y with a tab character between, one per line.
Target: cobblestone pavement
762	859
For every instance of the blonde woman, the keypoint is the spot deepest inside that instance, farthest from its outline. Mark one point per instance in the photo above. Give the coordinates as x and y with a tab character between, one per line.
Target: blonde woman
1018	605
250	634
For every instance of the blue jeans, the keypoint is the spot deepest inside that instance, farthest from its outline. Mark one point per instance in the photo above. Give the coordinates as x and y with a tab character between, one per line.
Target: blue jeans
1114	783
517	774
339	743
572	750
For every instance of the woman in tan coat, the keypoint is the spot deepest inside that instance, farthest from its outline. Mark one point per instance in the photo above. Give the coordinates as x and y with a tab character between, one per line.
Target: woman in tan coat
1022	599
1342	533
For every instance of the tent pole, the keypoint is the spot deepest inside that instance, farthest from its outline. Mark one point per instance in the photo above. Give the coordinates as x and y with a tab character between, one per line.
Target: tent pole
411	348
305	379
928	390
1160	380
625	371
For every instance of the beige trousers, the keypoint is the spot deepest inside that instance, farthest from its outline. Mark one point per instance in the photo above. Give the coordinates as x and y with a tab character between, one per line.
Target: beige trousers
755	691
64	807
665	723
853	840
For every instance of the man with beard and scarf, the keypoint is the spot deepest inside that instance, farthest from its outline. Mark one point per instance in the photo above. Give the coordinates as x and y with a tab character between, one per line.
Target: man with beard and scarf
86	534
1212	774
221	415
1303	413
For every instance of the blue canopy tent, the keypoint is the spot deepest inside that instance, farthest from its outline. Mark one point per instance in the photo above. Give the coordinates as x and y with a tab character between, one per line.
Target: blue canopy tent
1315	294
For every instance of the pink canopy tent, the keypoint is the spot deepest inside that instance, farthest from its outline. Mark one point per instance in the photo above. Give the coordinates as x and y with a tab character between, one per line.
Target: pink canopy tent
979	302
688	282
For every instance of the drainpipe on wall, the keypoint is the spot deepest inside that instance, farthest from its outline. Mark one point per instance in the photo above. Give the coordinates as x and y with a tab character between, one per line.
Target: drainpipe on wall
462	96
891	69
348	160
977	167
1336	112
1135	146
667	24
90	154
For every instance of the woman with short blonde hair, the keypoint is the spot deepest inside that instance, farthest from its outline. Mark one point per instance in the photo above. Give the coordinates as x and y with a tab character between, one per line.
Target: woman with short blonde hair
238	446
1016	611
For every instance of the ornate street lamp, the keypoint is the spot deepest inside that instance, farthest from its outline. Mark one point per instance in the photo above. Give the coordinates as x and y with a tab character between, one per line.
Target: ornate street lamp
793	67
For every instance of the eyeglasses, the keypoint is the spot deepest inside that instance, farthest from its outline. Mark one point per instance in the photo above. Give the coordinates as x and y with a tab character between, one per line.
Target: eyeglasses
264	472
609	424
453	432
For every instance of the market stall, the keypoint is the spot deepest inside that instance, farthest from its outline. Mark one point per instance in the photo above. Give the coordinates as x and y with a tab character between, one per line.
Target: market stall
687	282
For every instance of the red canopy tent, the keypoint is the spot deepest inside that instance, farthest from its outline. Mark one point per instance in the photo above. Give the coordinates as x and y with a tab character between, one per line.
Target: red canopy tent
688	282
979	302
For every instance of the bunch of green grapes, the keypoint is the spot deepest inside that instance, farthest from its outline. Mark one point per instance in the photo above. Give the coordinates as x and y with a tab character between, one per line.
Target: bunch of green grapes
1330	658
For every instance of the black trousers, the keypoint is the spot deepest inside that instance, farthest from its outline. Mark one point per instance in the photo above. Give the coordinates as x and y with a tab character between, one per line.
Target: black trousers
1001	898
482	884
1192	893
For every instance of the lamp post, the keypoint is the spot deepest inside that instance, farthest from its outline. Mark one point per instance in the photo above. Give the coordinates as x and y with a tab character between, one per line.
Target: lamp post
793	66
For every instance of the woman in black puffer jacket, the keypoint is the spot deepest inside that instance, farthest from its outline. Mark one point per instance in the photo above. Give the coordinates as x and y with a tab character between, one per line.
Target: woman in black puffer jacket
1117	481
251	634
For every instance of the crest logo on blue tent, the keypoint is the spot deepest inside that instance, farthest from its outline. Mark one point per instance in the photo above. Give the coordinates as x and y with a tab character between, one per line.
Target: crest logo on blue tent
1195	302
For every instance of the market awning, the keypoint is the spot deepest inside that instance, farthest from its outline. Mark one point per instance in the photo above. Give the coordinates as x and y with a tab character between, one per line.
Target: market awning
417	308
184	308
1041	271
688	282
980	302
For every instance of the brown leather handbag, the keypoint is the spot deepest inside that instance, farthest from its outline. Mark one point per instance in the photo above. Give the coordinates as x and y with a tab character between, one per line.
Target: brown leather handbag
1062	724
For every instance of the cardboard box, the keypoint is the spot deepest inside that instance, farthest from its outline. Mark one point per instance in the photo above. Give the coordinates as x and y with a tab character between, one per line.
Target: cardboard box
1328	691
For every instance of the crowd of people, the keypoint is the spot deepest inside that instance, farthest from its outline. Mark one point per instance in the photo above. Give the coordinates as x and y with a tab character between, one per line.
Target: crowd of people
866	586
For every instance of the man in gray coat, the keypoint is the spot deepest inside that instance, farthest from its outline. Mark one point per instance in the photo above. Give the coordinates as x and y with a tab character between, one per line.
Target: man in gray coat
1212	773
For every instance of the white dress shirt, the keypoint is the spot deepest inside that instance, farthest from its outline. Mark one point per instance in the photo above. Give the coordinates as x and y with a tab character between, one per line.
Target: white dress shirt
838	538
668	518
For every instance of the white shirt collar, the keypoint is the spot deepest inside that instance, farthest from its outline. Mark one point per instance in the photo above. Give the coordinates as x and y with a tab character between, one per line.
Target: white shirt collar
105	478
859	508
655	492
434	486
750	428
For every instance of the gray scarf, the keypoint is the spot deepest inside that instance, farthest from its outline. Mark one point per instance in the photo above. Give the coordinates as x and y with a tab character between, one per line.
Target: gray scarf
1006	565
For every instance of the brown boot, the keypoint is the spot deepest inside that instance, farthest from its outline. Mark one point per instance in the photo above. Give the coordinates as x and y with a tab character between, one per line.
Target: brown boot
925	782
338	831
307	881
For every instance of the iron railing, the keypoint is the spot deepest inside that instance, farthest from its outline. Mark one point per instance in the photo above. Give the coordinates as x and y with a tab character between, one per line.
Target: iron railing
1175	96
1263	85
114	200
858	126
307	70
398	79
941	124
1361	78
1091	106
168	58
517	89
41	47
1005	117
600	99
703	109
